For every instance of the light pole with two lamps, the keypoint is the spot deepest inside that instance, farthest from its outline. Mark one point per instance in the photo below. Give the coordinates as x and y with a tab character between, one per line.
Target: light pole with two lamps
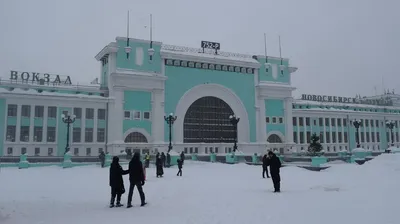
170	119
391	125
68	119
357	124
234	121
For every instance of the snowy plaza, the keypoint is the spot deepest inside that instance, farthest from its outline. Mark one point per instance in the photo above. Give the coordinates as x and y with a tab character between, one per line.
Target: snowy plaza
207	193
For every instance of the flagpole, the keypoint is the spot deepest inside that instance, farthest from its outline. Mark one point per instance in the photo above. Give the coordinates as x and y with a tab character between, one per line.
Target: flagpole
265	48
280	49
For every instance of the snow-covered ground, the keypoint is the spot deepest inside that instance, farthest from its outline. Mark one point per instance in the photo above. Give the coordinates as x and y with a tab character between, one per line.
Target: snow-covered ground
207	193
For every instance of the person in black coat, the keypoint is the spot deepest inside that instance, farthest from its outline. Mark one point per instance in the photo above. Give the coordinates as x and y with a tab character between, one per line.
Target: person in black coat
182	157
168	159
180	164
136	178
265	163
116	182
274	166
163	159
102	157
159	166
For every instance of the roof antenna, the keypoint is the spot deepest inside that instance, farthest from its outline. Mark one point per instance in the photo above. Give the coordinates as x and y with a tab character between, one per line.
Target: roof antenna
265	48
151	50
280	49
127	48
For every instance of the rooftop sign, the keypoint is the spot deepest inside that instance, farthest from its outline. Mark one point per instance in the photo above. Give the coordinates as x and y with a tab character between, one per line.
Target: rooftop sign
38	77
338	99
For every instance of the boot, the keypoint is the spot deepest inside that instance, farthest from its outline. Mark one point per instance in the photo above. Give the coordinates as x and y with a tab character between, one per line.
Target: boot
112	206
129	205
119	204
143	204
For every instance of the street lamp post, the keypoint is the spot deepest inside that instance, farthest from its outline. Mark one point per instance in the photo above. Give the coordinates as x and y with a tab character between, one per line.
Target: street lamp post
170	119
357	124
68	119
234	121
391	125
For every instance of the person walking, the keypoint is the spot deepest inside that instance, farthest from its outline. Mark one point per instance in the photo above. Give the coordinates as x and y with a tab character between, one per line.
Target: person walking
136	178
102	157
159	166
265	163
182	157
116	182
180	164
163	158
274	167
147	160
168	159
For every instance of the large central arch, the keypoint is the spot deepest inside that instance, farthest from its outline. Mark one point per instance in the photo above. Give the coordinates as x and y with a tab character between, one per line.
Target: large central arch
214	90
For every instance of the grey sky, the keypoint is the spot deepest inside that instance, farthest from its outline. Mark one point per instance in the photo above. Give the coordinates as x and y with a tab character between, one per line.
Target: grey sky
337	44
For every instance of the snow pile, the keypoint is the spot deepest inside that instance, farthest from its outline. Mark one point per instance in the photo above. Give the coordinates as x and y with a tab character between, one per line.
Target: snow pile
358	150
394	149
207	193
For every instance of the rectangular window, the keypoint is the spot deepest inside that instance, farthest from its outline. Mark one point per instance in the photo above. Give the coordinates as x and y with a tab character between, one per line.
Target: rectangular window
185	150
274	120
37	151
101	114
267	120
307	121
136	115
23	150
295	137
76	151
50	151
377	124
345	137
345	122
39	110
100	134
196	150
88	134
24	136
216	149
127	114
89	113
301	137
321	121
37	134
366	123
301	121
78	113
315	122
11	132
52	112
146	115
373	135
334	137
367	137
88	151
76	134
326	121
12	110
308	137
372	123
321	137
362	136
26	111
280	120
340	137
333	121
328	139
339	122
51	134
9	151
294	121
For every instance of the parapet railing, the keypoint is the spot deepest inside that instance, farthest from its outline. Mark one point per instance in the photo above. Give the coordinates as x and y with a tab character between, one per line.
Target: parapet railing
30	83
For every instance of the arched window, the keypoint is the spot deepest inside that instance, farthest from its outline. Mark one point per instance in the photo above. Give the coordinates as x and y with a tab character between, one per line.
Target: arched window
274	138
207	120
135	137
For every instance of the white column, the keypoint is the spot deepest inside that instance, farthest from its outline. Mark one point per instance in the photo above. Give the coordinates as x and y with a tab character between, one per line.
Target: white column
288	120
337	134
330	132
95	125
376	133
114	120
263	126
157	116
44	131
31	123
18	125
325	140
305	130
343	121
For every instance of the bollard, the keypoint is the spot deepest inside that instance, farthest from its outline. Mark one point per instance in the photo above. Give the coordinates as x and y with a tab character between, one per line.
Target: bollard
67	163
231	158
254	158
23	162
194	157
213	157
108	160
317	161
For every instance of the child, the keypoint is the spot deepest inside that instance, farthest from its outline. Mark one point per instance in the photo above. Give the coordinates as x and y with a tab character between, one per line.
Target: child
180	163
116	182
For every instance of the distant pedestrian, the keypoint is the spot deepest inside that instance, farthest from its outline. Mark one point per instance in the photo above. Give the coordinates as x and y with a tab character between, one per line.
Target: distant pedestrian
180	164
136	178
182	157
274	167
147	160
265	163
163	159
168	159
159	166
116	182
102	157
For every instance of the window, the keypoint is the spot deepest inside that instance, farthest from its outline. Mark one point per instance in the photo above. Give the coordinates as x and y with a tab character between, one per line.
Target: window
12	110
366	123
328	139
315	122
345	137
76	134
301	137
37	134
267	120
295	137
339	122
216	149
294	121
377	123
321	137
280	120
378	137
307	121
372	136
368	140
340	140
101	114
39	110
37	151
362	137
52	112
78	113
100	134
185	150
26	111
88	151
301	122
9	151
274	120
344	122
89	113
136	115
196	150
24	136
23	150
88	134
50	151
146	115
51	134
333	122
334	137
127	115
326	121
76	151
321	121
11	132
372	123
308	137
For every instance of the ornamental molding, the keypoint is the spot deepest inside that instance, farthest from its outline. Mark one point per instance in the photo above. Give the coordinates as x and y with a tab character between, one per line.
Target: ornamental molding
110	48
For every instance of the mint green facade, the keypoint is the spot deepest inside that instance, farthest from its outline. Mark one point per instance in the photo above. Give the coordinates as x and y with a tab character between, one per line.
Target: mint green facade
274	110
137	101
266	72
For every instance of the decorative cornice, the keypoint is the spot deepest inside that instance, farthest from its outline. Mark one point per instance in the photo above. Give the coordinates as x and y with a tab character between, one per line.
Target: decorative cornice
138	75
292	69
110	48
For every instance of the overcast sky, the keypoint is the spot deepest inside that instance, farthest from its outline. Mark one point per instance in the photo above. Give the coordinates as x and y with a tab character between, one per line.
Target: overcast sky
341	47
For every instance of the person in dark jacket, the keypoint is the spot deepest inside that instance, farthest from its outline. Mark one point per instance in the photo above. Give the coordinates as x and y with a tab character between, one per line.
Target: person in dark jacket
265	163
159	166
116	182
180	164
168	159
182	157
102	157
274	166
147	160
163	159
136	178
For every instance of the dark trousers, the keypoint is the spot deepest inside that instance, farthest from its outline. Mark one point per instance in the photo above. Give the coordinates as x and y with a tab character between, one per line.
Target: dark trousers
147	163
102	163
115	193
164	164
179	172
265	171
140	189
276	179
